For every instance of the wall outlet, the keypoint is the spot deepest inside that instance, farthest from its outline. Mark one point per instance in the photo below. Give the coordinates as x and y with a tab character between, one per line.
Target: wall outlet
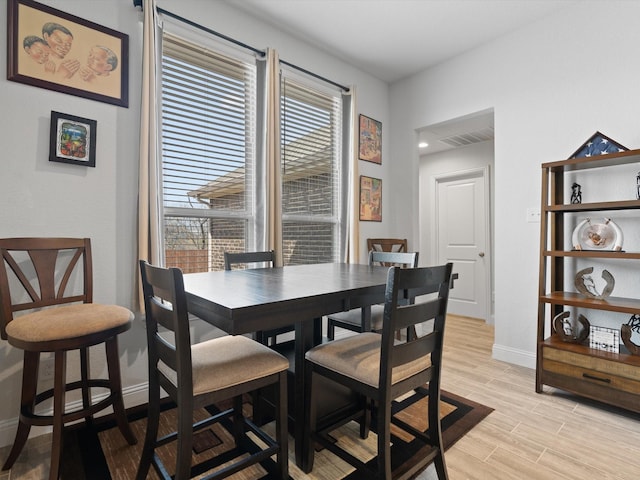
47	368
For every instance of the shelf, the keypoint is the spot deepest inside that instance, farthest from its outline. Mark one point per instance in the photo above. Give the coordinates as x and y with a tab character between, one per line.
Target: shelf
612	378
592	254
594	207
583	163
612	304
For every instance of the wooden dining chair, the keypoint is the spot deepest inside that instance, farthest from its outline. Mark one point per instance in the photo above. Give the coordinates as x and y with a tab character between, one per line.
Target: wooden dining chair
378	367
352	319
46	306
252	260
201	375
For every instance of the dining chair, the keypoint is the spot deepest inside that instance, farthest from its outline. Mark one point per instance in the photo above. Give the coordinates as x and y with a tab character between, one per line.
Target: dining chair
46	307
203	374
352	319
251	260
387	244
382	369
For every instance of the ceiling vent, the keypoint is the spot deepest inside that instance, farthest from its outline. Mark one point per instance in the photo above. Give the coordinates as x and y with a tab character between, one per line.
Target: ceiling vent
468	138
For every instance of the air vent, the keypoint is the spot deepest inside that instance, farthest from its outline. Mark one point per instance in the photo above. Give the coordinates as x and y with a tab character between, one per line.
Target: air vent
468	138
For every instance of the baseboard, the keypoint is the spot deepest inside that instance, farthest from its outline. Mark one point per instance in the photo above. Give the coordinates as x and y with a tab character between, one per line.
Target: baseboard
132	396
512	355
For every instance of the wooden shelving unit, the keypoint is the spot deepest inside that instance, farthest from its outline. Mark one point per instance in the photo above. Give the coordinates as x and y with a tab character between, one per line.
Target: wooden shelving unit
612	378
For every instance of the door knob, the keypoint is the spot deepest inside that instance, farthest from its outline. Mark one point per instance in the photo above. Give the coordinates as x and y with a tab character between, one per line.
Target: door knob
481	254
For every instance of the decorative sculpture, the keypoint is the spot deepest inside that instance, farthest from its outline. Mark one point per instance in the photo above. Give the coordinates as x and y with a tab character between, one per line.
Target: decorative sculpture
633	325
576	193
597	236
565	329
586	286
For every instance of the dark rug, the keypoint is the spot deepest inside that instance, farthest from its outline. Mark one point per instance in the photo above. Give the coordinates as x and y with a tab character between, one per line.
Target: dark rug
101	453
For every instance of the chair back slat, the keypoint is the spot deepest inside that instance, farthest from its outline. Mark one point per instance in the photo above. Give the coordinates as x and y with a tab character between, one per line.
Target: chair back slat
43	269
400	315
387	244
406	317
394	259
232	259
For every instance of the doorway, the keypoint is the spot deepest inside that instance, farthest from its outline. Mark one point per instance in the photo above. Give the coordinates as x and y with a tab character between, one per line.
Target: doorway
456	205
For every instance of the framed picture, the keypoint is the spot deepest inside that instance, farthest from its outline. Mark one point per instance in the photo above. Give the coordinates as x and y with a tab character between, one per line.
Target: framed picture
52	49
370	144
72	140
370	199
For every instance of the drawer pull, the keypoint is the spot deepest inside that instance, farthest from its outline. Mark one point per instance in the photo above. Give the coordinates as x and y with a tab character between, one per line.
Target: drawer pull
599	379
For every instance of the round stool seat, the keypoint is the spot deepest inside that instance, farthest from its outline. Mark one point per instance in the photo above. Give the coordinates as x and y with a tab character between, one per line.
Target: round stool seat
68	327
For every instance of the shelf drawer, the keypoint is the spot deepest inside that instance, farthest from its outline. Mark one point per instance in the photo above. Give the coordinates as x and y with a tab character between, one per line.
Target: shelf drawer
600	367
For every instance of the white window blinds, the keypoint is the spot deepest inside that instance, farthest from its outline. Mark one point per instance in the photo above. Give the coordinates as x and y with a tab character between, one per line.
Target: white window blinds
310	159
208	153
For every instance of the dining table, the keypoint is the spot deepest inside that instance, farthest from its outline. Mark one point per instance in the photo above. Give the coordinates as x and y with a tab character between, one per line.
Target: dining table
251	300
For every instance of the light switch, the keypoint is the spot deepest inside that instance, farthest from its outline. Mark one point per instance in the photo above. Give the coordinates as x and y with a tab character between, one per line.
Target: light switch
533	215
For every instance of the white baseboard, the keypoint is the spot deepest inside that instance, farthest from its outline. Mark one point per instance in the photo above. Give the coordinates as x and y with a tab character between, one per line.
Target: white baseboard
511	355
133	395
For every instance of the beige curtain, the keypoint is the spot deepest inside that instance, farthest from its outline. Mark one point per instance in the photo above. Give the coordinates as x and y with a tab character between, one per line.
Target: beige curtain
149	208
353	194
273	183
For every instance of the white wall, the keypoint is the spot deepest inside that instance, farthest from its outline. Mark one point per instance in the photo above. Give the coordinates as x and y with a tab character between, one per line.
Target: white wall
551	85
40	198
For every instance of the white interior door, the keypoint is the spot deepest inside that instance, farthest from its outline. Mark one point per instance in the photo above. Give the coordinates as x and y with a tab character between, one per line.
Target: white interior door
461	227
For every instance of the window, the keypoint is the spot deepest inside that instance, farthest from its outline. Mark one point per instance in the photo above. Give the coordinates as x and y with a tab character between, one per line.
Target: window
208	154
310	159
212	170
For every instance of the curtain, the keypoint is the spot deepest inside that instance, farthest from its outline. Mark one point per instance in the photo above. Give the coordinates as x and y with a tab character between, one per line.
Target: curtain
149	208
273	183
353	191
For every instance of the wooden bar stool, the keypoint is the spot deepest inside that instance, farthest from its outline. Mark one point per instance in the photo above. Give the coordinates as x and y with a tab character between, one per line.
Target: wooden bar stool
57	273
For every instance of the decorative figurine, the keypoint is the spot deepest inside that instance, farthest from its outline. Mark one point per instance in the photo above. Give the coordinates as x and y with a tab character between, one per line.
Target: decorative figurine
633	325
586	286
563	327
576	193
638	186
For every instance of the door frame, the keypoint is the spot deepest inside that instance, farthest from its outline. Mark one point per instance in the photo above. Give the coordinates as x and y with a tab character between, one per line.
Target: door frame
483	174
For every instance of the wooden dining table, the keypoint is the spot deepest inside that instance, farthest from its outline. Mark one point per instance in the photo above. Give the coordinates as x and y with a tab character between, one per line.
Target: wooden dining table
246	301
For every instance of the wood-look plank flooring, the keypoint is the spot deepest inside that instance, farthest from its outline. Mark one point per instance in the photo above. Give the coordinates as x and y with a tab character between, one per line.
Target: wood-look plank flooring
529	436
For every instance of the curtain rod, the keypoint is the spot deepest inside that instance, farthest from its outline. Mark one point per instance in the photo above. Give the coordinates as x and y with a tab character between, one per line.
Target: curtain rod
138	3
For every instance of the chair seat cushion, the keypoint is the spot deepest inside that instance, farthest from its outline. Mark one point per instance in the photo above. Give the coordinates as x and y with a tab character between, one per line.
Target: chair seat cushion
354	317
64	327
228	361
358	357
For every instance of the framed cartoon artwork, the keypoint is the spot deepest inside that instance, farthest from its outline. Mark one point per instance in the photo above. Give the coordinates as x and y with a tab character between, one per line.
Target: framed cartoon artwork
52	49
370	144
72	140
370	199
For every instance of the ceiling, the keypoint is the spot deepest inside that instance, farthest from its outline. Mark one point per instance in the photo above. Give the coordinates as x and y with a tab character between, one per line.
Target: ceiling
393	39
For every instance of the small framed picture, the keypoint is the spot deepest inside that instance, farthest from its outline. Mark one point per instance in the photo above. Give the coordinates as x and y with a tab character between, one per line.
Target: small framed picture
72	140
370	199
602	338
370	145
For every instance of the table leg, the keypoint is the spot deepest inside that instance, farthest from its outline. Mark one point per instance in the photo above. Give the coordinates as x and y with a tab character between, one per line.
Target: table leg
305	333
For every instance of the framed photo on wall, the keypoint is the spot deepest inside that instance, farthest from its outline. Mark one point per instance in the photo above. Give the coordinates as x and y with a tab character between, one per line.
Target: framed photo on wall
370	199
370	144
52	49
72	140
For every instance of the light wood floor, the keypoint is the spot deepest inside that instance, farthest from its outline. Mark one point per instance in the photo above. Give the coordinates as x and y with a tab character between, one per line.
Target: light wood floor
529	436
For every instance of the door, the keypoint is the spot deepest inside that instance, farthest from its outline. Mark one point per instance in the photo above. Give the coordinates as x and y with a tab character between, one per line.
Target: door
461	227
